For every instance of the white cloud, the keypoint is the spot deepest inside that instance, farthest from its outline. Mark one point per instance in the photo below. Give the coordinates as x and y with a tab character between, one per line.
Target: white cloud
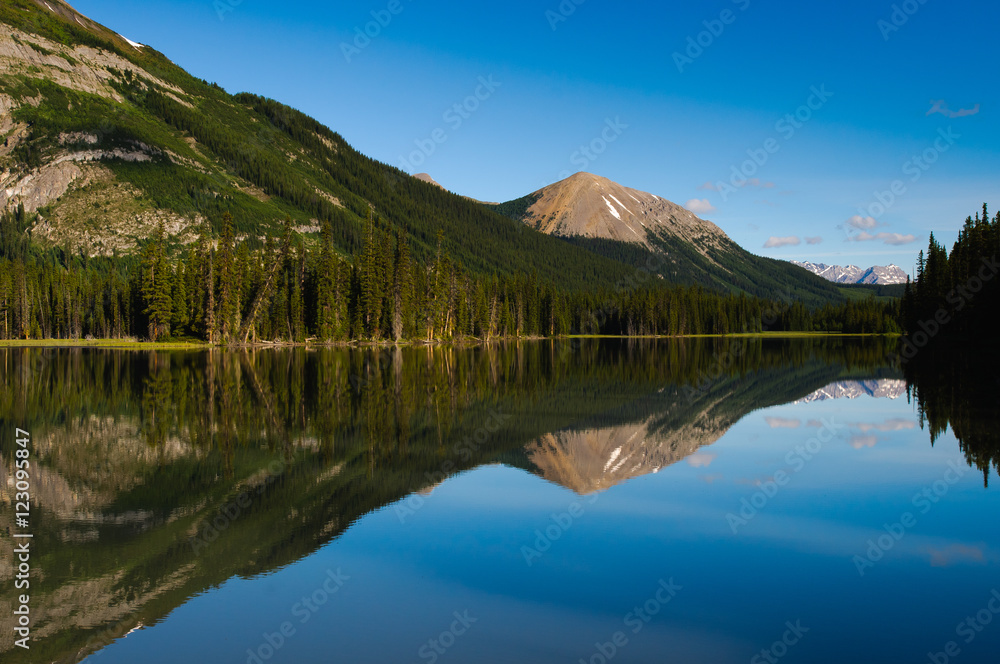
895	239
814	240
790	241
892	424
756	182
700	206
858	442
961	113
782	423
700	460
939	106
862	223
955	553
708	186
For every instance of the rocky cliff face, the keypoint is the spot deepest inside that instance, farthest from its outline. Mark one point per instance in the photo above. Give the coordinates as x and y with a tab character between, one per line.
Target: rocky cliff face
87	206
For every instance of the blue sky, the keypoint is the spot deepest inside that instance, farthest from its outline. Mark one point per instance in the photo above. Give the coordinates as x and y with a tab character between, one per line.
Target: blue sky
674	100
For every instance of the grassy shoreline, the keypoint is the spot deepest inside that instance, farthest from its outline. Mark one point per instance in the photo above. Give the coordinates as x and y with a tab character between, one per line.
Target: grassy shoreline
471	341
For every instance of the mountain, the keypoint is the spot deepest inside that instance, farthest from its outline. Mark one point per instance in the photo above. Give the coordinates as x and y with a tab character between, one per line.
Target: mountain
879	388
586	205
133	537
643	230
852	274
104	138
425	177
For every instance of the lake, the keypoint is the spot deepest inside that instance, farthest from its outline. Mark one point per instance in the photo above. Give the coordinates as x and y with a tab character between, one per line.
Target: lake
709	500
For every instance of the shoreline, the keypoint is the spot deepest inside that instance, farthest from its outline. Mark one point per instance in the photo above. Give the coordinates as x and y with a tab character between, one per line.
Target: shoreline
124	344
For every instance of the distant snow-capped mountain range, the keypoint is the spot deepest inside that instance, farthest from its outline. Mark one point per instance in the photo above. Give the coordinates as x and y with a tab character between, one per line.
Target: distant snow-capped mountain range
852	274
878	388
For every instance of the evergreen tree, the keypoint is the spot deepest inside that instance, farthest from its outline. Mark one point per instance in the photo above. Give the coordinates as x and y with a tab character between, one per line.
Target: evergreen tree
228	314
180	316
157	286
401	288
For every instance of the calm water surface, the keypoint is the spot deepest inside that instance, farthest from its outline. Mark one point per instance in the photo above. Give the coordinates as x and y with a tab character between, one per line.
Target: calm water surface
673	501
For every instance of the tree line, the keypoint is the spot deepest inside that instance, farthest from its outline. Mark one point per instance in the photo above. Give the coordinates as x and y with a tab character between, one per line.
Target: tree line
955	295
231	290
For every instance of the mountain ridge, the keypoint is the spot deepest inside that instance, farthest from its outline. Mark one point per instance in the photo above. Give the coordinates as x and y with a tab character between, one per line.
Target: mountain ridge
107	139
653	234
103	140
852	274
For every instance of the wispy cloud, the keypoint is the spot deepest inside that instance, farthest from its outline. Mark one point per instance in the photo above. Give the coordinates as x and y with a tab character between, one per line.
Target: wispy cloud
700	460
956	553
708	186
939	106
814	240
892	424
756	182
886	238
700	206
782	423
857	442
790	241
862	223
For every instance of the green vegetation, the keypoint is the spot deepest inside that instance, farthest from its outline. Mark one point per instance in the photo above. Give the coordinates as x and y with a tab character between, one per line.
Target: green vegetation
956	296
956	387
394	258
232	293
729	269
310	441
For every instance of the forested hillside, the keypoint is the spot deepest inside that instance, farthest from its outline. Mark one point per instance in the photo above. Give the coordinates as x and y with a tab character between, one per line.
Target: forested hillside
230	292
145	142
142	202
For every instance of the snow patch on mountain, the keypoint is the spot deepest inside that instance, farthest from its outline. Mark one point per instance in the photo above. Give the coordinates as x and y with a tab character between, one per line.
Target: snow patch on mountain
852	274
879	388
614	211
